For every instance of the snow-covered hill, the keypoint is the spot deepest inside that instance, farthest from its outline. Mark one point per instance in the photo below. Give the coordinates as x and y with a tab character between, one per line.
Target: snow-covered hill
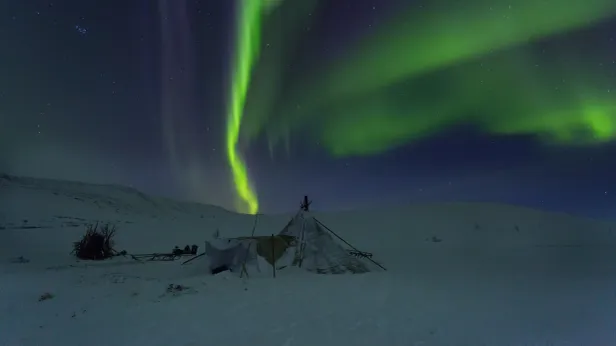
458	274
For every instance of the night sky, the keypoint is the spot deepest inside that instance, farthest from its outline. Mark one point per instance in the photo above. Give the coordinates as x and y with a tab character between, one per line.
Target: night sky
355	103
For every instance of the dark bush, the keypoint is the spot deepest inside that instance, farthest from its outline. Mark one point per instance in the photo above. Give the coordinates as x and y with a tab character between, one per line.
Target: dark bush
96	244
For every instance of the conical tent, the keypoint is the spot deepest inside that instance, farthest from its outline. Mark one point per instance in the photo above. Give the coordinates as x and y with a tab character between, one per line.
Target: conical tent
316	249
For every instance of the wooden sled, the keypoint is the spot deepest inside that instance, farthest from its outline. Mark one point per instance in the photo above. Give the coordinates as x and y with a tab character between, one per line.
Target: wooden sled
156	257
176	254
359	254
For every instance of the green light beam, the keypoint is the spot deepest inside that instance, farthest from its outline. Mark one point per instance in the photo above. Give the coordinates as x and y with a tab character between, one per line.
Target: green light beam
247	50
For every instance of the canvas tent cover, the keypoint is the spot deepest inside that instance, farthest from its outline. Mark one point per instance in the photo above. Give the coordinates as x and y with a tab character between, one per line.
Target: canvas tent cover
317	250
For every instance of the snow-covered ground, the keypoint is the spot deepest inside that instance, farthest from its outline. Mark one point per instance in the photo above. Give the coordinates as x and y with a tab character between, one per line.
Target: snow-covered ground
458	274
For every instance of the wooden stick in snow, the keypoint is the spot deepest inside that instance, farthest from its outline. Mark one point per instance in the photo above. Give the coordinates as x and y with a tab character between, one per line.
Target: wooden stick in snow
273	256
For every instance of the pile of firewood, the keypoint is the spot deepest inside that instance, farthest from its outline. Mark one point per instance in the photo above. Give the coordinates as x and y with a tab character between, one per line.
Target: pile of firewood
96	244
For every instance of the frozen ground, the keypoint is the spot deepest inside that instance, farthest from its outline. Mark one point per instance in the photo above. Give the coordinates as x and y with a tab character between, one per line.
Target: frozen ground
459	274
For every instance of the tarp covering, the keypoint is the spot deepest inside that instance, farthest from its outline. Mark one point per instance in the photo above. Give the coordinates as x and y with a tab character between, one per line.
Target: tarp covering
230	254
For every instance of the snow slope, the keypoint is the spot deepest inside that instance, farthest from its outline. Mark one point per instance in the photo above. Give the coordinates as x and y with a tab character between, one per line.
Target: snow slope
458	274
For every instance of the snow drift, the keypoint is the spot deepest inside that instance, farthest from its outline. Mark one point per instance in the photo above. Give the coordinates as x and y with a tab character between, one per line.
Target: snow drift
458	274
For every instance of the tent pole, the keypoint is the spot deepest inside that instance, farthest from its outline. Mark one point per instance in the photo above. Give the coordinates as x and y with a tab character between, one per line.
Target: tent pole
244	270
193	258
252	234
351	246
254	226
302	244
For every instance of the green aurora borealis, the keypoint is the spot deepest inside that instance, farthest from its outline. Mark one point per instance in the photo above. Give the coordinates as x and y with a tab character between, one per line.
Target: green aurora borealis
480	63
247	51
